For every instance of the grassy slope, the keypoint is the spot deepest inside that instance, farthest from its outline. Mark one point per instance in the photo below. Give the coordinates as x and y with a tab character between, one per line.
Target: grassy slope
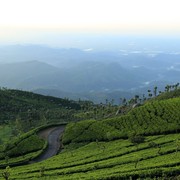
158	156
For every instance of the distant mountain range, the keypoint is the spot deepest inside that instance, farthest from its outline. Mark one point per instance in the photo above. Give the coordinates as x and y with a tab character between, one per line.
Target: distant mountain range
83	74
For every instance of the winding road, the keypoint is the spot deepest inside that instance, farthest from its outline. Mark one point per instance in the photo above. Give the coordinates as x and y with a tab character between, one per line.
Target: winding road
52	135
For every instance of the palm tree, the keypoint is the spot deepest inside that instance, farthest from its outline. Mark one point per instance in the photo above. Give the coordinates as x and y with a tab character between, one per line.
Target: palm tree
155	91
176	86
167	88
149	93
136	98
124	101
144	98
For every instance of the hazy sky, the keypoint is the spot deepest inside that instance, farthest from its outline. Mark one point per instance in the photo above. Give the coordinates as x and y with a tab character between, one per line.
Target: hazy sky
33	20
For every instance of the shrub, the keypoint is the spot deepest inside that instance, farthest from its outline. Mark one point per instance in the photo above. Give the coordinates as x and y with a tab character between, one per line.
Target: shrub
136	139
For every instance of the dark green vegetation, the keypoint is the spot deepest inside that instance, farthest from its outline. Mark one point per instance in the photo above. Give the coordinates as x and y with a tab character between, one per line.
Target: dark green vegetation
169	94
142	142
156	117
23	110
22	103
20	114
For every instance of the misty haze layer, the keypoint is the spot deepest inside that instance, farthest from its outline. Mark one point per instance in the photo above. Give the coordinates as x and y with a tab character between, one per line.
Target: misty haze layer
88	73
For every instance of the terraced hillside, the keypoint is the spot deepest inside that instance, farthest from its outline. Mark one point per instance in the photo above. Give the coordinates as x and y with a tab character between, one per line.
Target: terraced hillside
34	146
158	156
144	144
21	150
156	117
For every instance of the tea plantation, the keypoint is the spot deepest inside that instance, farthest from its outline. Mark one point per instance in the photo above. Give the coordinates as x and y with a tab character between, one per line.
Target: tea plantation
142	144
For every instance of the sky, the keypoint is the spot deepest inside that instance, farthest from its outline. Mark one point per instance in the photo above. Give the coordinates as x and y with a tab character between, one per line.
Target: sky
43	20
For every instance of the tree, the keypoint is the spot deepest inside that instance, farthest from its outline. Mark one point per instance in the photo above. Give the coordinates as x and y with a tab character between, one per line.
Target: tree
155	91
6	173
18	125
112	102
106	102
124	101
136	139
42	171
144	98
7	159
136	98
176	86
1	141
167	88
149	93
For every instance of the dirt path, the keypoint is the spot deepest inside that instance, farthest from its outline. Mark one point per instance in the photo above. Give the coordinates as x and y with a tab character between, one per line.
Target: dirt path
52	135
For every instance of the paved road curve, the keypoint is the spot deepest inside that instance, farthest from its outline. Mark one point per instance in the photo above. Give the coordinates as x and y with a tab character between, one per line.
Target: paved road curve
52	135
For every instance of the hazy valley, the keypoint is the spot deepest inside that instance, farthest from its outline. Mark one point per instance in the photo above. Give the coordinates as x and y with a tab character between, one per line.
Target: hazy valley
75	73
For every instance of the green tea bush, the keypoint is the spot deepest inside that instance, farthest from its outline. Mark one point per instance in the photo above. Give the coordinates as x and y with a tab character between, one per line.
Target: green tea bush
156	117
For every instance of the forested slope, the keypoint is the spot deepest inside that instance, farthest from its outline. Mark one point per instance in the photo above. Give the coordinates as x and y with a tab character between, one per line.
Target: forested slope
29	106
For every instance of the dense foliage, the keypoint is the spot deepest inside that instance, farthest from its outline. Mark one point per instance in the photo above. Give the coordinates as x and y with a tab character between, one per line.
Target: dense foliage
21	149
168	95
141	143
119	159
24	110
156	117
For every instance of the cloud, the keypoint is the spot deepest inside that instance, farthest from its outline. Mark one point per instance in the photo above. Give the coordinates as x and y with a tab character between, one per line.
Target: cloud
88	50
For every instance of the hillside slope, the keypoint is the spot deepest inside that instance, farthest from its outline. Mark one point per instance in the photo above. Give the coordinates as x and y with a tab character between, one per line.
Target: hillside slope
20	111
157	158
99	149
156	117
